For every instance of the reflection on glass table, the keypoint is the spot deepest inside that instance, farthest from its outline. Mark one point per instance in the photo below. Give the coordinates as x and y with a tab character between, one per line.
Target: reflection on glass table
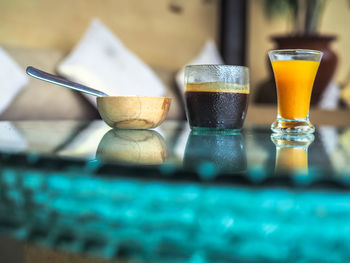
291	153
133	147
169	195
208	152
171	147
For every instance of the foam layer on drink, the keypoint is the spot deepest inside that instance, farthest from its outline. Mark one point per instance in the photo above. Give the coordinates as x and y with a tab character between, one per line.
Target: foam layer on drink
217	87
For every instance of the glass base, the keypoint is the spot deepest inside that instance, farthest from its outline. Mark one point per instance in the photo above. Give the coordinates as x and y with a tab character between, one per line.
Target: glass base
197	129
292	140
302	126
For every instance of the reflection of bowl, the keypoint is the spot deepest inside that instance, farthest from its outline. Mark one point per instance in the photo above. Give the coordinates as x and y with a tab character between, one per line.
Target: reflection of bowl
133	112
226	152
132	146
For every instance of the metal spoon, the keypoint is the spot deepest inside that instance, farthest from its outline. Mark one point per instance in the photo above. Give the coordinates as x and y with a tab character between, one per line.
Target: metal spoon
42	75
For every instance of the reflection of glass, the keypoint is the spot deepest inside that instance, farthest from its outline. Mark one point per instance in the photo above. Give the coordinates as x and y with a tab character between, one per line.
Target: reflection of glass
295	71
216	96
226	152
133	147
291	153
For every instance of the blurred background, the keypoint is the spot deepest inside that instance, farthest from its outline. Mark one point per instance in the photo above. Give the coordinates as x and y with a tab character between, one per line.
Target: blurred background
168	34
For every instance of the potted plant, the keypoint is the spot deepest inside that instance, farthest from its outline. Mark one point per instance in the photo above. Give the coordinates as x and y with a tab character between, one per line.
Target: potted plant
305	16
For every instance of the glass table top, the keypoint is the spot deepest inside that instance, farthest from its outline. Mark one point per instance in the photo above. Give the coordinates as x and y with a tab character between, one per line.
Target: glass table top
172	151
169	195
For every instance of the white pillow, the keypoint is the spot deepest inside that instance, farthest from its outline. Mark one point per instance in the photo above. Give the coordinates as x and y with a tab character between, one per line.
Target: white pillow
101	61
12	79
208	55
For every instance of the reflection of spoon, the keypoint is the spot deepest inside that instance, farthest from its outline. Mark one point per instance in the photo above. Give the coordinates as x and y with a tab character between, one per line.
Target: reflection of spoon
132	146
117	111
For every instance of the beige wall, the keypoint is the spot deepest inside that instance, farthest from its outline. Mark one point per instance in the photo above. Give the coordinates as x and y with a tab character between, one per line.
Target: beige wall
148	27
336	21
155	33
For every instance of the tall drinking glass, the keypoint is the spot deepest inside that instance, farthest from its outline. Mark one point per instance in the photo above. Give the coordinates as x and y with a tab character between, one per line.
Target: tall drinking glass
295	71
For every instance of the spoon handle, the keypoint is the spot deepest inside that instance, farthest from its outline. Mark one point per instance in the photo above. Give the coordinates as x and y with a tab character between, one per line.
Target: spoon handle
39	74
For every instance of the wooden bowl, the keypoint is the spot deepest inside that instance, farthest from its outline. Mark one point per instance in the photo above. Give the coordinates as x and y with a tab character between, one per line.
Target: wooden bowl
133	112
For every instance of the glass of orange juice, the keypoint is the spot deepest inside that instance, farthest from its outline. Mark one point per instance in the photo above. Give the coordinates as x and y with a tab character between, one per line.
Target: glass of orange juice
295	71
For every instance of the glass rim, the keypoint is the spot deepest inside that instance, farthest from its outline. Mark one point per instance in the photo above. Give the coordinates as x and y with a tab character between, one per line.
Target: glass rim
216	65
296	51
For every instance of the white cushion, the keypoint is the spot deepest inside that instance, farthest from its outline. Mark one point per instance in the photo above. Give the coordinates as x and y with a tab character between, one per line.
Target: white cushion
101	61
208	55
12	79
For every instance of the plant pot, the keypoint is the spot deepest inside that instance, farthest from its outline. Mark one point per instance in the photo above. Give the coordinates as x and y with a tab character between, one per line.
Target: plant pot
328	63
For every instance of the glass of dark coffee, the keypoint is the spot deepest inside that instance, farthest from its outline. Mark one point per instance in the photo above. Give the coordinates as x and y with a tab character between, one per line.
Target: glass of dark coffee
216	96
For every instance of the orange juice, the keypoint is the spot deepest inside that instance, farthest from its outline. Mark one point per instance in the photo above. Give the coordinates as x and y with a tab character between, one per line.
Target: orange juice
294	81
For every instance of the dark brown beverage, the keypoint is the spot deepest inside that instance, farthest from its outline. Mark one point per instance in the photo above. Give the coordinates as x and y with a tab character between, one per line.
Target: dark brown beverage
216	108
